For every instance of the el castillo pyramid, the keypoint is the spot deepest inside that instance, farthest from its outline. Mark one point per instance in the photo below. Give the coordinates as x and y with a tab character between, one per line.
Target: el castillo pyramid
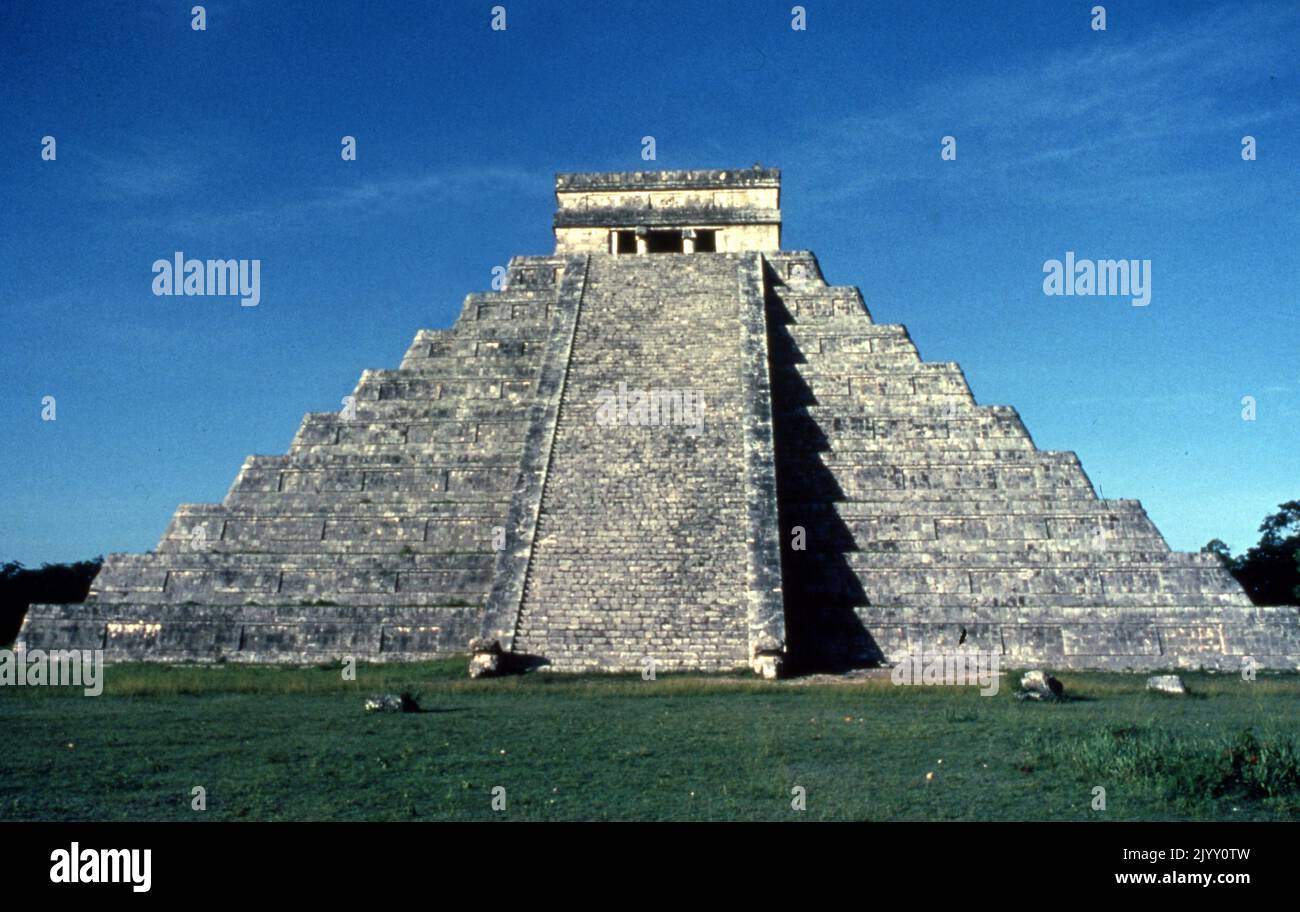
669	440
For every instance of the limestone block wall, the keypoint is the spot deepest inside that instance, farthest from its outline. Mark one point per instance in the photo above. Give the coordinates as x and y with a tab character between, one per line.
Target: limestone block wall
581	240
372	536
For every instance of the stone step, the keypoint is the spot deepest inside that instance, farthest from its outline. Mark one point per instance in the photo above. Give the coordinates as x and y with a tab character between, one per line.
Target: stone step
496	367
1119	556
850	352
836	450
972	425
1006	550
895	408
449	545
449	444
921	414
852	334
478	341
912	386
825	306
930	504
536	331
975	454
155	562
422	443
492	449
246	582
900	463
1039	604
470	477
433	422
249	633
952	483
308	524
431	501
1210	614
482	354
925	580
325	536
981	531
974	503
406	385
468	597
832	367
791	364
437	410
488	308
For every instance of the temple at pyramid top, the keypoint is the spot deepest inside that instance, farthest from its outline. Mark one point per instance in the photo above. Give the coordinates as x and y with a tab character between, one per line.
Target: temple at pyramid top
639	212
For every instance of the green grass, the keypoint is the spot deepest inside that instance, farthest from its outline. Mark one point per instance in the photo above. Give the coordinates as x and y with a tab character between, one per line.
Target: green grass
294	744
1159	759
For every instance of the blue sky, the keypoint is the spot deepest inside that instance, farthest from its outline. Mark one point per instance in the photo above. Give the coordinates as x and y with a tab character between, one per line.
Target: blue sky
225	143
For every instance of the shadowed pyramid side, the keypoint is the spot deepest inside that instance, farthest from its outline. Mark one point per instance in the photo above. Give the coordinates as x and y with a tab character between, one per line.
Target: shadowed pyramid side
930	519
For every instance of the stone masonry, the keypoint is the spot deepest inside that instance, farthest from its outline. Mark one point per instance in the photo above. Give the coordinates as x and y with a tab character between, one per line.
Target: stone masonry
802	490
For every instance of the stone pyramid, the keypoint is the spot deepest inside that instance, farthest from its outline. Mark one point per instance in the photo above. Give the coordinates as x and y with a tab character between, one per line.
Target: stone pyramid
670	441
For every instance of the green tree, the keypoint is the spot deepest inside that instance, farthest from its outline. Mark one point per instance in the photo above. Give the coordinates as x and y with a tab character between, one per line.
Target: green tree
52	583
1269	571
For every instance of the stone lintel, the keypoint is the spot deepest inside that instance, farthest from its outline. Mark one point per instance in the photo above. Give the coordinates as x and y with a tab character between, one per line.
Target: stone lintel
684	216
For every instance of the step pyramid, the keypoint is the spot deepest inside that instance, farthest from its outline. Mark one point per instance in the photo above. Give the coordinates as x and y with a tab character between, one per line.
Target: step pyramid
671	442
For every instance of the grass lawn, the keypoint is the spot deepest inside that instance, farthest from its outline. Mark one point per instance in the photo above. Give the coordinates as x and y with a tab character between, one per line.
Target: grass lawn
294	744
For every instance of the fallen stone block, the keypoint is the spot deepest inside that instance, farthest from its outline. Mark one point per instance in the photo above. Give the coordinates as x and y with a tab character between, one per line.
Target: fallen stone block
392	703
1039	685
768	666
1169	684
486	657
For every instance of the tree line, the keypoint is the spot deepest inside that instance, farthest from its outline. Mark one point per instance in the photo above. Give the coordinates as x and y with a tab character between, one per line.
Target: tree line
1269	571
53	583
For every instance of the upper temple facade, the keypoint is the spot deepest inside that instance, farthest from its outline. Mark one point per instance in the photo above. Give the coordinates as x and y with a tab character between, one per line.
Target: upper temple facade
668	212
672	441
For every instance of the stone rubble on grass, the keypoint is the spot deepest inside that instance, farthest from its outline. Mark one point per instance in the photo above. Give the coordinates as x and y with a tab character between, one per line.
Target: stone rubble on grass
1039	685
392	703
1170	684
486	658
767	656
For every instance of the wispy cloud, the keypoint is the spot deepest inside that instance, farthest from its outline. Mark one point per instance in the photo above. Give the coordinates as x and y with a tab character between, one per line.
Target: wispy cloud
1121	111
143	172
366	198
